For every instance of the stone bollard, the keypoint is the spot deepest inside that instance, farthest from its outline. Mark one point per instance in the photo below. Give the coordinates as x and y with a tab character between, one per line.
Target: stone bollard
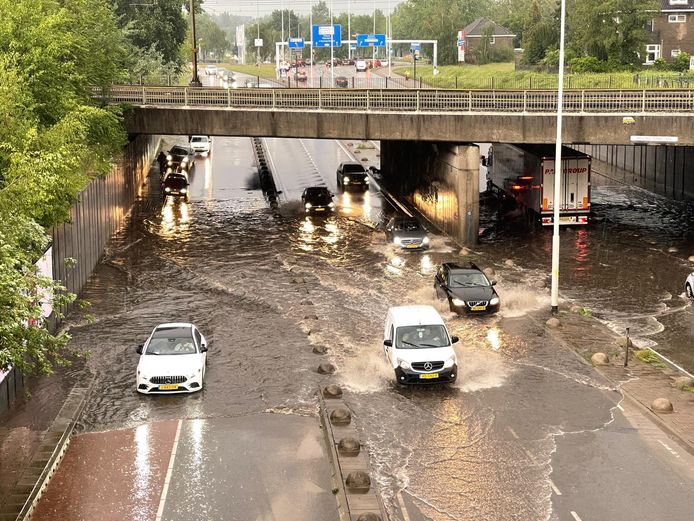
332	391
318	350
326	368
349	447
662	405
684	381
489	272
509	263
600	359
358	482
464	252
369	516
341	416
553	323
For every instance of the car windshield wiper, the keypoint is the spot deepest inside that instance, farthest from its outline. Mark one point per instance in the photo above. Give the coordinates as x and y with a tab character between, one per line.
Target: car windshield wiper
409	343
428	345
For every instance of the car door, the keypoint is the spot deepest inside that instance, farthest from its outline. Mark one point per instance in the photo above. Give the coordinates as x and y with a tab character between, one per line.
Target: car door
200	340
440	283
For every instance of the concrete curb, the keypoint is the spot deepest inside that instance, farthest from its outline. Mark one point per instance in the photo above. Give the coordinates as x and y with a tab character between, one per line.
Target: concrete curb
34	480
351	503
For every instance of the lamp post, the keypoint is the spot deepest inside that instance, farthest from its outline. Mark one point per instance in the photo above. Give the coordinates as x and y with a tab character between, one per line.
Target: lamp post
195	81
558	167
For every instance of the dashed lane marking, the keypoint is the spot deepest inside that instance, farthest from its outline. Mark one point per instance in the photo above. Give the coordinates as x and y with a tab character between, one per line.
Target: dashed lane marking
405	515
620	407
575	515
554	487
513	433
669	449
169	471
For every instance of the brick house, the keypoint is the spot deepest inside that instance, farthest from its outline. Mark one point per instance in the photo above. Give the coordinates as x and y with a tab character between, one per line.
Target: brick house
472	38
672	31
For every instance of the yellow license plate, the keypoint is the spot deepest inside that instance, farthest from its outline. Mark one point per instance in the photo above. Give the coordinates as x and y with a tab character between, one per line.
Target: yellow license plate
428	376
412	246
168	387
320	209
478	308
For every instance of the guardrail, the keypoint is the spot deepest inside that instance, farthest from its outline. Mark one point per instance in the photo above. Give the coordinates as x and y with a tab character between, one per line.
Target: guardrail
406	100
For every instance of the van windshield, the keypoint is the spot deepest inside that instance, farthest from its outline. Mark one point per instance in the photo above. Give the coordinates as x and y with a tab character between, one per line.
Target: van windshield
413	337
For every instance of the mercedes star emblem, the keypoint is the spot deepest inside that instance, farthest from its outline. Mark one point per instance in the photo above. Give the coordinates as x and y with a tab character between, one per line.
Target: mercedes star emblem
428	366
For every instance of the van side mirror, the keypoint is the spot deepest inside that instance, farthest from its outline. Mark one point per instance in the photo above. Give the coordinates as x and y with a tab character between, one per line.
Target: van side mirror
455	340
388	343
203	348
139	349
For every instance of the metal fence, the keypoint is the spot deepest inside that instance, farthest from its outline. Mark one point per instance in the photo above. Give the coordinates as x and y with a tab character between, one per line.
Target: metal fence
11	386
79	242
405	100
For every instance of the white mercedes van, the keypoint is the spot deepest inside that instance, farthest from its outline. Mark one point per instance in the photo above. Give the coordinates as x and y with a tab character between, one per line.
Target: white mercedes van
418	346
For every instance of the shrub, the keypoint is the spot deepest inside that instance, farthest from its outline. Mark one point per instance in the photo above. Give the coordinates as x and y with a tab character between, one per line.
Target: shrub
680	63
587	64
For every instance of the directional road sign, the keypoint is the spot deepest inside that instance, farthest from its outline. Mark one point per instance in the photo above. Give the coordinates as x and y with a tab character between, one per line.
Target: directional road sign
323	35
371	40
415	46
296	43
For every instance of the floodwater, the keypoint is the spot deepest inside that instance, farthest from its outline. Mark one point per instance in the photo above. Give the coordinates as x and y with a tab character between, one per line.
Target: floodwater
266	289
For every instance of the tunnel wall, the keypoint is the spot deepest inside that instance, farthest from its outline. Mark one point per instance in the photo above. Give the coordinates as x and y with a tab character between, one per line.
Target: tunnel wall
99	213
440	179
662	169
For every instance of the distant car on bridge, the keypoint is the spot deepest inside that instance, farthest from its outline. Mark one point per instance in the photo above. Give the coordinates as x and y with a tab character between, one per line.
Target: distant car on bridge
360	65
318	200
342	82
301	75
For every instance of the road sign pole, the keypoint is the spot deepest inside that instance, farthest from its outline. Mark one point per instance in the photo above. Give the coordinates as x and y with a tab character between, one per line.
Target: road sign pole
310	23
332	47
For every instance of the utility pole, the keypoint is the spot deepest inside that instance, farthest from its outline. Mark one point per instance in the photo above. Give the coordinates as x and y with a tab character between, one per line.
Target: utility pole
349	29
257	23
195	81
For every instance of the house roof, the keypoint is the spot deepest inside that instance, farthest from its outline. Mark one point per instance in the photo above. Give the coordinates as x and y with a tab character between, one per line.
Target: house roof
476	28
667	6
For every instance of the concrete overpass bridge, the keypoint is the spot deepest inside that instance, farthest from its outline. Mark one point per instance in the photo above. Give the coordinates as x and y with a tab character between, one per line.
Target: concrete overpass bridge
427	135
591	116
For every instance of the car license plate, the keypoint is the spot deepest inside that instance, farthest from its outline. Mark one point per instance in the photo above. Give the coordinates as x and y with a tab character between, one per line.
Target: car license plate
320	209
168	387
478	308
428	376
412	246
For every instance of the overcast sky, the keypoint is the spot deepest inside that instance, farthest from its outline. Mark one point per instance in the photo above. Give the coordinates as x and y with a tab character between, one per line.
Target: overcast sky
263	7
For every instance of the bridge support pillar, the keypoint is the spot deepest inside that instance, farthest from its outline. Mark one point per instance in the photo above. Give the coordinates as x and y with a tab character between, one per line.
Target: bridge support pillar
440	179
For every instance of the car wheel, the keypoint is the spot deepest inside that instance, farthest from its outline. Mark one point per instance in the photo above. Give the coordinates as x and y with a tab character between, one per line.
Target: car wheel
689	292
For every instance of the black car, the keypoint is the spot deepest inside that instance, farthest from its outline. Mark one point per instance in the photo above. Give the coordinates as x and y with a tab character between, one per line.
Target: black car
180	155
318	200
467	289
352	174
342	82
175	183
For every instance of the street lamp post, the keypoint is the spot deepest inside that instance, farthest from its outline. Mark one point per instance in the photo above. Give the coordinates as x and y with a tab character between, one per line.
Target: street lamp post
558	167
195	81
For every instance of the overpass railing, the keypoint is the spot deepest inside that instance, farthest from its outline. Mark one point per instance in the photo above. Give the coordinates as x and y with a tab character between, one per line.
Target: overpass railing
405	100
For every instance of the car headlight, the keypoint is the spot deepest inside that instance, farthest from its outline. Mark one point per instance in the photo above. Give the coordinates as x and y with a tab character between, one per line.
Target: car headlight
167	189
366	180
425	240
169	157
458	302
494	301
449	363
184	160
345	179
308	205
184	190
396	240
332	205
404	364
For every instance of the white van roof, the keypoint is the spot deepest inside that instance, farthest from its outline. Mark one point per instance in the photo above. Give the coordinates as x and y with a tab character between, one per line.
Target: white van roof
414	316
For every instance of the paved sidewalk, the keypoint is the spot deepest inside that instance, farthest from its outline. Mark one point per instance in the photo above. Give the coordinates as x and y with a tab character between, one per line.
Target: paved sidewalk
641	382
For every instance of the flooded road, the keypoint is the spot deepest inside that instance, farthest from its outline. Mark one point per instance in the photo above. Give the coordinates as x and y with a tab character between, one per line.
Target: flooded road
265	290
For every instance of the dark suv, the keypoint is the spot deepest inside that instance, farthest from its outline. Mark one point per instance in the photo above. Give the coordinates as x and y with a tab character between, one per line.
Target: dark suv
352	174
318	200
467	289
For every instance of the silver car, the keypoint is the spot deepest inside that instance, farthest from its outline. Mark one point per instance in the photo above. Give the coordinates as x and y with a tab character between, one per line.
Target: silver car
407	233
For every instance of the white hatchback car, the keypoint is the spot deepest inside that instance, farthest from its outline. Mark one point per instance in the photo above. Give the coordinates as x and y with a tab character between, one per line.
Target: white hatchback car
201	145
172	360
689	286
360	65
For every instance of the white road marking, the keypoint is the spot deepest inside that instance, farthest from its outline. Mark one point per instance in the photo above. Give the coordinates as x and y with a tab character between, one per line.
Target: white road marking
575	516
513	433
620	407
554	487
669	449
401	503
167	479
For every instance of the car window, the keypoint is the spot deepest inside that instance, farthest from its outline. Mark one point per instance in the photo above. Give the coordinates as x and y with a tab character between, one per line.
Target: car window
353	168
462	280
416	337
198	337
171	346
392	331
179	151
199	140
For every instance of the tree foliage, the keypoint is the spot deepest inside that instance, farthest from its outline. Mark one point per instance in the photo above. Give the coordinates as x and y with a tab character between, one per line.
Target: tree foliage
52	140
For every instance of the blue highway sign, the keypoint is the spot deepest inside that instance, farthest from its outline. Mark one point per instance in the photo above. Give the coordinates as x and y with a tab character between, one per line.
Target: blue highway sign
322	35
371	40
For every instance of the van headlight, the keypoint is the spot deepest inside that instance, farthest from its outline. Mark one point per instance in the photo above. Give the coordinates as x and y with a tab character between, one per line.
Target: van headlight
396	240
167	189
331	205
449	363
169	157
458	302
404	364
184	190
494	301
425	240
307	205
